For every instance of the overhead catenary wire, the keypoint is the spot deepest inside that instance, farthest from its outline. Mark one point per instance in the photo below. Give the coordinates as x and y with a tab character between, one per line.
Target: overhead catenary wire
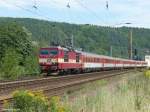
69	12
35	5
68	4
118	45
28	10
90	11
68	7
46	17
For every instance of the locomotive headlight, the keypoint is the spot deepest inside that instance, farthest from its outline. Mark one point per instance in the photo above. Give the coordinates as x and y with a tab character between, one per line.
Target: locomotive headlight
53	60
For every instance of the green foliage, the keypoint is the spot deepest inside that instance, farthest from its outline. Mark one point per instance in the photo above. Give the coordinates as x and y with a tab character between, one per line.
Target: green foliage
17	54
16	37
26	101
31	64
10	68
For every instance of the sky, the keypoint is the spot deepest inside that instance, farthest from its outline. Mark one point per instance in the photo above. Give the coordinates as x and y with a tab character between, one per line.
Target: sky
95	12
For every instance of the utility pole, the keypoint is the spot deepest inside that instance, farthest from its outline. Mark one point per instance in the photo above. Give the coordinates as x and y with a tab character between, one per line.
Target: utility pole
72	41
130	44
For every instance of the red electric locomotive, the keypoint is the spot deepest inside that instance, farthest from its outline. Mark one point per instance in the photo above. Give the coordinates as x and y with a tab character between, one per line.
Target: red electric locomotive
59	59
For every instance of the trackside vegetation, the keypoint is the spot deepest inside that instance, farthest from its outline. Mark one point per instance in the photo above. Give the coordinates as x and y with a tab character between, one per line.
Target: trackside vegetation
131	93
18	56
27	101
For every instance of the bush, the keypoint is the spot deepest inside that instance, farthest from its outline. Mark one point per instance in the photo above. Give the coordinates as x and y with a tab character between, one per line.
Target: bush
31	65
26	101
10	68
17	56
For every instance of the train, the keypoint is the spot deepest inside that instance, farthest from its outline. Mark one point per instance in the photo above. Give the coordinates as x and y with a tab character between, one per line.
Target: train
62	60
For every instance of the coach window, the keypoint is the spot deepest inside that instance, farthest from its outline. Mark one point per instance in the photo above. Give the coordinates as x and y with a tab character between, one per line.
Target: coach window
66	57
77	57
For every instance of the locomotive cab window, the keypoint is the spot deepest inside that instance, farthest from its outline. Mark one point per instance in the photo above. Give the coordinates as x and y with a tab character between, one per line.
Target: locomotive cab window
53	52
77	57
66	56
44	52
48	52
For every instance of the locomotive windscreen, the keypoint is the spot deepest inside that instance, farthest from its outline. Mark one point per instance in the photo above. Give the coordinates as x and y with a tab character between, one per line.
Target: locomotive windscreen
53	52
49	52
44	52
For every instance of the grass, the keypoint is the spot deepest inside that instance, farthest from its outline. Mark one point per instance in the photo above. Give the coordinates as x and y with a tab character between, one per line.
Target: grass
129	94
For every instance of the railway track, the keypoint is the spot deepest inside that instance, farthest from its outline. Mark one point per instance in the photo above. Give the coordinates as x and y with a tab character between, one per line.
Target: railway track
28	77
54	86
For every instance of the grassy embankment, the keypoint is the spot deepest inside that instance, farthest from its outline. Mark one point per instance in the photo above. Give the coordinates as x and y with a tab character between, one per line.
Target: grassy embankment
127	93
130	94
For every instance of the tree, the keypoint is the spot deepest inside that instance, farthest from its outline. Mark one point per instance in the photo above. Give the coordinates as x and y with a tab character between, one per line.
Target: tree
16	37
31	65
16	51
10	68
